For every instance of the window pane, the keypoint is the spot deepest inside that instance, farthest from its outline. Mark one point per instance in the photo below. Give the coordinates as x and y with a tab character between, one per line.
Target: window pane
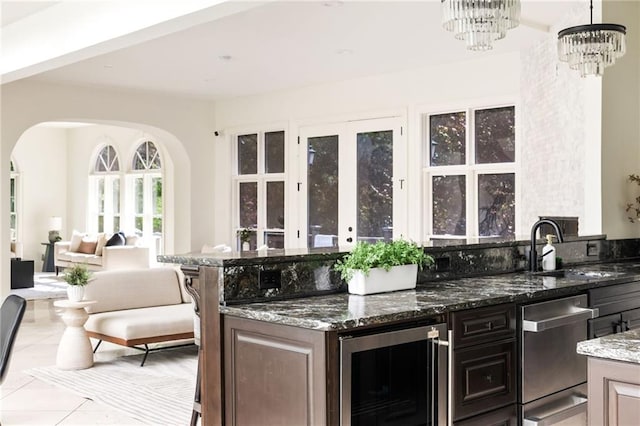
375	185
116	196
274	152
275	205
495	135
248	154
139	195
156	184
274	239
12	200
322	187
157	225
100	223
101	195
447	139
116	223
248	205
138	222
496	205
449	205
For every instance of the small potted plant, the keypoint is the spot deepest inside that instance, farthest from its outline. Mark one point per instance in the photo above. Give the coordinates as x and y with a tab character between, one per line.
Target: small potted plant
77	277
245	239
383	266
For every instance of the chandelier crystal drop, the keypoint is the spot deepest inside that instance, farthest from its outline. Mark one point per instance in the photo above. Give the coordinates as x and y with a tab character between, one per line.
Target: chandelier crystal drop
591	48
480	22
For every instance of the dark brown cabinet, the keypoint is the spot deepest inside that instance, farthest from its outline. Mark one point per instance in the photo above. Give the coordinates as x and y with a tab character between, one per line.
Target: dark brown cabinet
274	374
619	309
484	361
506	416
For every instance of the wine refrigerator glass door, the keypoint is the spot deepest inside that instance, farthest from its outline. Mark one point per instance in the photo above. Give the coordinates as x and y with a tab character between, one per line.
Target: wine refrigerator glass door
394	378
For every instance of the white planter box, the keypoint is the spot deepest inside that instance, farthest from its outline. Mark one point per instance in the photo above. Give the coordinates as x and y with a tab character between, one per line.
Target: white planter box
397	278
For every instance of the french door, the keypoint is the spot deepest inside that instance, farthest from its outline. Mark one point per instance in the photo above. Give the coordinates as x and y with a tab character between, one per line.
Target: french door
352	184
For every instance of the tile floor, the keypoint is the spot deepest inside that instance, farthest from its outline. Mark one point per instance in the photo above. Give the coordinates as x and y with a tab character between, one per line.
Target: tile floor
28	401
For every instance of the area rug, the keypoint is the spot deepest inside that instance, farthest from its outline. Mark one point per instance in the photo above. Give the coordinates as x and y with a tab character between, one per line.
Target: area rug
45	286
160	393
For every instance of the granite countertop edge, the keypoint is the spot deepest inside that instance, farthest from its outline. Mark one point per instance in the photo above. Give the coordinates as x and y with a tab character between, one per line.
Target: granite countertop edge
342	311
623	347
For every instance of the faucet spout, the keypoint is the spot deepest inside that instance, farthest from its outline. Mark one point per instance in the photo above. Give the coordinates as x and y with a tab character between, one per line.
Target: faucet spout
533	254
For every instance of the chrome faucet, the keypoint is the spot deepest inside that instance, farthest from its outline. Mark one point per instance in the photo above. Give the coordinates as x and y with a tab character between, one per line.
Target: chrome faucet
533	254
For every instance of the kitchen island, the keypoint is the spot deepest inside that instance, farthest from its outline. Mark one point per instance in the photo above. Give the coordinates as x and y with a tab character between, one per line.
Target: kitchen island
311	306
614	378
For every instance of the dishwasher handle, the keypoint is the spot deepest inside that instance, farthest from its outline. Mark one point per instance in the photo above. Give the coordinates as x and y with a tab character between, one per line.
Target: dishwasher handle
577	315
579	406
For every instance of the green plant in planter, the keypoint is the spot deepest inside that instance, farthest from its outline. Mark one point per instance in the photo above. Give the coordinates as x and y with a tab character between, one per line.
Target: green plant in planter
78	275
245	235
384	255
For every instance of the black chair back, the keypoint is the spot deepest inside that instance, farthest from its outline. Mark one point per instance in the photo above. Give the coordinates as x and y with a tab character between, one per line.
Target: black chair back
12	311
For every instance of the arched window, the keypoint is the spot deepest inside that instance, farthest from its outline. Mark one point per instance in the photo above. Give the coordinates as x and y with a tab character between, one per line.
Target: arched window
13	202
105	187
146	178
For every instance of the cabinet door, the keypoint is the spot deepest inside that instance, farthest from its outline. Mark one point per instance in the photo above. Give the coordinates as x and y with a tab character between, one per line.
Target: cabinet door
616	400
274	374
631	320
484	378
603	326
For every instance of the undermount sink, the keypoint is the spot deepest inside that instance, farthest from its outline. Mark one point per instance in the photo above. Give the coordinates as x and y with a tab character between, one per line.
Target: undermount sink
576	274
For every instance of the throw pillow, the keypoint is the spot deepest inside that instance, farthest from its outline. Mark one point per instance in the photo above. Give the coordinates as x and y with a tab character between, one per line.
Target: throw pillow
87	246
100	243
132	240
115	240
76	239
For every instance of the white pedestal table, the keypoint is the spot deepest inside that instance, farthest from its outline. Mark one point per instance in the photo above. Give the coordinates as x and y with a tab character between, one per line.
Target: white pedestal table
75	351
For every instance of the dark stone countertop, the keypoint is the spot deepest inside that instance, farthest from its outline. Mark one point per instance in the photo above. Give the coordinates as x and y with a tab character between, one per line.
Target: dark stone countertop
616	347
343	311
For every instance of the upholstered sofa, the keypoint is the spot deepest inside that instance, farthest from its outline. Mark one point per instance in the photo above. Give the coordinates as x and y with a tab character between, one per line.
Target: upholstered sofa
93	252
137	307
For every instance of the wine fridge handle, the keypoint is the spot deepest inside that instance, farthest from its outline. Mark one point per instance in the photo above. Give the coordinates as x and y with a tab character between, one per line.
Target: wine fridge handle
450	378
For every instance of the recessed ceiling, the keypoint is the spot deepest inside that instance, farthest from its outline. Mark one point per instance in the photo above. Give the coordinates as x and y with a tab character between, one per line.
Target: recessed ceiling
285	44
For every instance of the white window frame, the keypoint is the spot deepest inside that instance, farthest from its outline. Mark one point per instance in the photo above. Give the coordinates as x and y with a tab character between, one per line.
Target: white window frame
108	177
14	176
471	170
147	215
261	178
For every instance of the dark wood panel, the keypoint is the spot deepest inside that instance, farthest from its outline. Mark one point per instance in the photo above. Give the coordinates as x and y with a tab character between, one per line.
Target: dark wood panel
631	320
484	378
274	374
603	326
616	298
507	416
477	326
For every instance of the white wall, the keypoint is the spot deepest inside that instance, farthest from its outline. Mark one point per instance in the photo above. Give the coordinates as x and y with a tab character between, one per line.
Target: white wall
41	159
620	129
184	125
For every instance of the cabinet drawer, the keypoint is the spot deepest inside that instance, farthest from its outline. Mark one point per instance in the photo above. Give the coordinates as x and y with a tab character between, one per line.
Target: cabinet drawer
616	298
506	416
484	378
476	326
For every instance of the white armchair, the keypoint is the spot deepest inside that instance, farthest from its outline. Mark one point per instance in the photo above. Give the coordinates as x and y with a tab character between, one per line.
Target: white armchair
16	249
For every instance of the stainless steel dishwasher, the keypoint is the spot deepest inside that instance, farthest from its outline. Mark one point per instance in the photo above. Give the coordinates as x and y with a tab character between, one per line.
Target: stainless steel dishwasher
553	375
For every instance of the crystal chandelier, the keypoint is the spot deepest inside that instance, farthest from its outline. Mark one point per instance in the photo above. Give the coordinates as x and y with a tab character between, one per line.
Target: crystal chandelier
480	22
591	48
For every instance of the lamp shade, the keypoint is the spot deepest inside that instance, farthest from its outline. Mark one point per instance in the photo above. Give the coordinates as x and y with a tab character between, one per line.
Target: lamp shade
55	223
